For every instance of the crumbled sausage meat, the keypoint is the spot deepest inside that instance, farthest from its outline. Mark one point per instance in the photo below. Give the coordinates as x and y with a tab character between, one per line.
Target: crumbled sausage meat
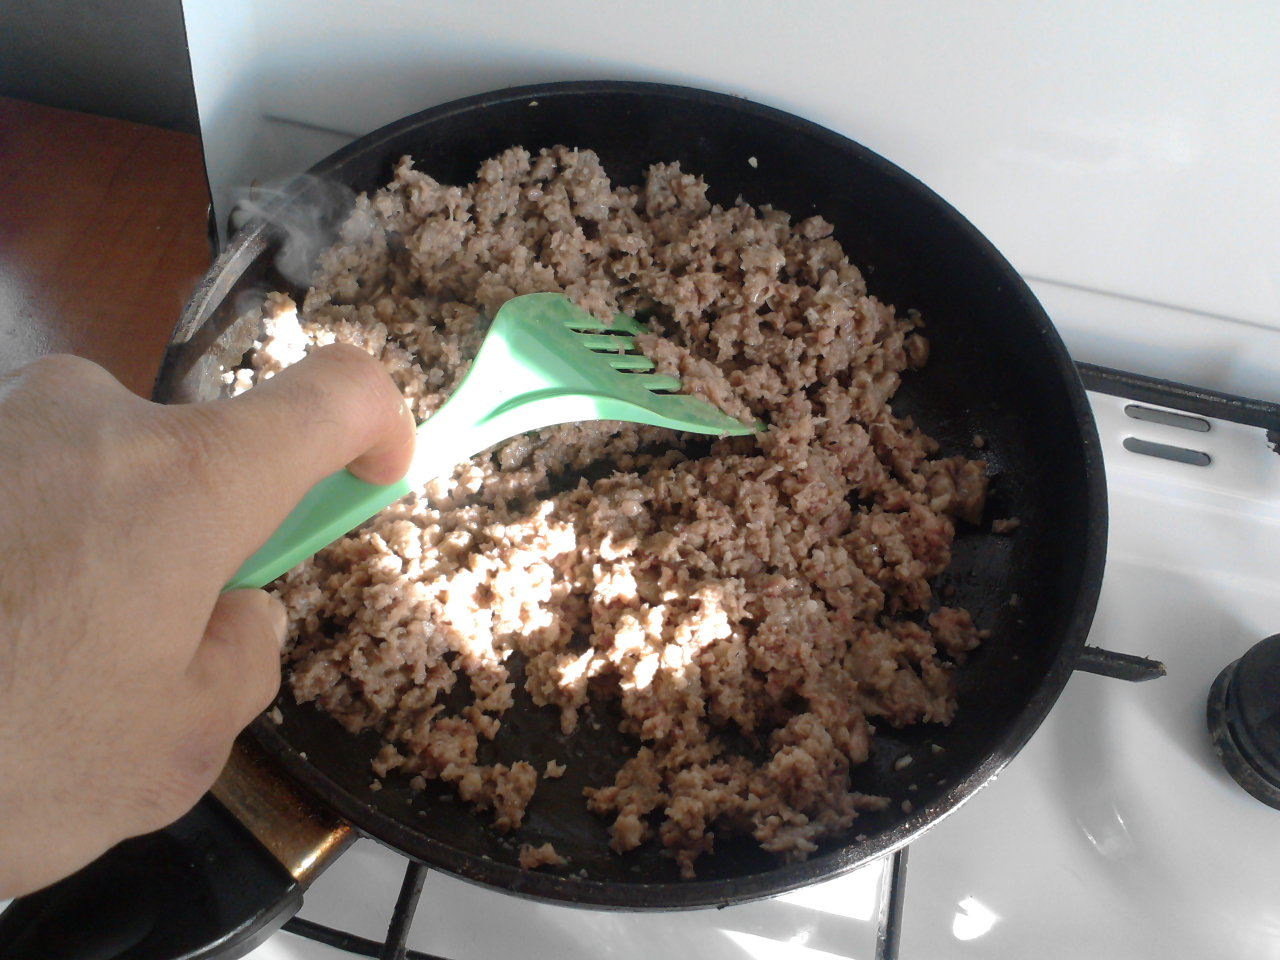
777	585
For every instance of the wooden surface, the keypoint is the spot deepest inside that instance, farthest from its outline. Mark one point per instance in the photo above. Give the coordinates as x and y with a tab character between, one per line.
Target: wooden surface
102	238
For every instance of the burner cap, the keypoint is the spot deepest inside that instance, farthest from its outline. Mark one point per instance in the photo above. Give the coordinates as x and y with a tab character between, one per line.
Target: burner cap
1244	720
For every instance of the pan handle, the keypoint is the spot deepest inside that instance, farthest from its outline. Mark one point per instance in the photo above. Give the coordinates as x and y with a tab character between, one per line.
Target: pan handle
1119	666
216	883
301	836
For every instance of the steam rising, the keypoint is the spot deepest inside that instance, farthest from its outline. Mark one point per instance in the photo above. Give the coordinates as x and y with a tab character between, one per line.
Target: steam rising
303	214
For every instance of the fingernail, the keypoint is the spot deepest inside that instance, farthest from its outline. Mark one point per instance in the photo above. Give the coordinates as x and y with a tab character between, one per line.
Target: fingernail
279	619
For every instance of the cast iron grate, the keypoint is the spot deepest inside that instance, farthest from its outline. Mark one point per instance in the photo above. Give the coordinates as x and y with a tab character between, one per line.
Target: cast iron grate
394	946
892	894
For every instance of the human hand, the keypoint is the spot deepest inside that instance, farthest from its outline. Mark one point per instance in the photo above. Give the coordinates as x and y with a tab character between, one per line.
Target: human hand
125	674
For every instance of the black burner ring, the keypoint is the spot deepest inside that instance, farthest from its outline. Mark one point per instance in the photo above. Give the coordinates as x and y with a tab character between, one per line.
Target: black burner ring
1244	720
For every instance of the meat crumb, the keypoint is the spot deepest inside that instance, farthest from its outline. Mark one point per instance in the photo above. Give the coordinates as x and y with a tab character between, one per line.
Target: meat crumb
554	770
1005	526
532	857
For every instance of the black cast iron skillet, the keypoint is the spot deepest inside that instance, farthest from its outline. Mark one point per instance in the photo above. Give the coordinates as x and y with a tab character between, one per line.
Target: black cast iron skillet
998	370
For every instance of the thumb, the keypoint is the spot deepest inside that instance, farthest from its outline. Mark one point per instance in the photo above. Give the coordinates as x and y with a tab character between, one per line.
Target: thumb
237	665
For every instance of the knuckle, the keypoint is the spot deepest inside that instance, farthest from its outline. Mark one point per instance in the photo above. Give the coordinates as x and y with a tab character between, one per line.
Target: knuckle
354	358
60	367
363	377
65	375
307	396
62	393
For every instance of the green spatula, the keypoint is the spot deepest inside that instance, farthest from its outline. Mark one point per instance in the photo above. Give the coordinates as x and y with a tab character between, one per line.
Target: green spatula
543	362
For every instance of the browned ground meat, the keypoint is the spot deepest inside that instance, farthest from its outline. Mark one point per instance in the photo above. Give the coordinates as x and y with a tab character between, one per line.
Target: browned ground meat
777	587
532	857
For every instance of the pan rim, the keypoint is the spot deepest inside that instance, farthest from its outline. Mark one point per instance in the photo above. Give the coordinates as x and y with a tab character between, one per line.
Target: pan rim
784	877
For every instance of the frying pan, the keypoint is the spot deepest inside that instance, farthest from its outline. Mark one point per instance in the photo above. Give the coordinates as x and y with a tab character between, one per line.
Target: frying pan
997	370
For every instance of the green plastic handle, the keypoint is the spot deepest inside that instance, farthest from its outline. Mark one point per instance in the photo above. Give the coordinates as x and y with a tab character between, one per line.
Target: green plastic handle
535	369
337	504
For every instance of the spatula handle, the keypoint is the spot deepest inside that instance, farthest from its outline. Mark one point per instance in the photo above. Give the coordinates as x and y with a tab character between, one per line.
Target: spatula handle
338	503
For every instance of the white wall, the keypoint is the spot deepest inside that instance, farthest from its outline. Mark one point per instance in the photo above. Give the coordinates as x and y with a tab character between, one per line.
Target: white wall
1124	147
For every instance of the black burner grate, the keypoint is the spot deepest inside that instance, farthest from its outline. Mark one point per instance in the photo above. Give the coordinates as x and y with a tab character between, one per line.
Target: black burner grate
892	894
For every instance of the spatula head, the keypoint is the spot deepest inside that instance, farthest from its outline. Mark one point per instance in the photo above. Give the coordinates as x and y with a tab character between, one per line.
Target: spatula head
549	337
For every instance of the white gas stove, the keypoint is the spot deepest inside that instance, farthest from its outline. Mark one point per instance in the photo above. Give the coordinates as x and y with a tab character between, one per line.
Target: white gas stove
1123	160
